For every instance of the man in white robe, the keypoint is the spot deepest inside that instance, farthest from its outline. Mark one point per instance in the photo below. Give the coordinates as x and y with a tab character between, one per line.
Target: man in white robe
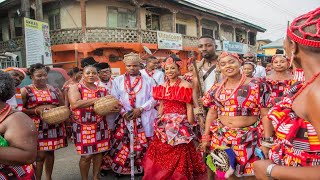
134	92
150	71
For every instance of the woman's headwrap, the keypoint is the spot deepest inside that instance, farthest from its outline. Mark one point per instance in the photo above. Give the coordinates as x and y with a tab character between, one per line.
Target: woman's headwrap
88	61
131	57
170	60
279	55
249	62
16	69
225	54
298	26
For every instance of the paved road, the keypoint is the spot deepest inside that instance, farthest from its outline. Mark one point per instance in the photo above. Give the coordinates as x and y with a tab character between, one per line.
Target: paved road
66	166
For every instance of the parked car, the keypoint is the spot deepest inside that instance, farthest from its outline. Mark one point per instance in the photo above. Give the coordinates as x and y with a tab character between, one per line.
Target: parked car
56	77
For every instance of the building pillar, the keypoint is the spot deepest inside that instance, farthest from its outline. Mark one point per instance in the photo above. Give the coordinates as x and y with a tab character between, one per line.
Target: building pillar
199	26
139	23
234	34
248	37
219	30
39	11
25	8
83	20
11	25
174	21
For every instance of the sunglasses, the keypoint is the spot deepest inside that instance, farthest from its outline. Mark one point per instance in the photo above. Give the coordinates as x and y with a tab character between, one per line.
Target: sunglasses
248	57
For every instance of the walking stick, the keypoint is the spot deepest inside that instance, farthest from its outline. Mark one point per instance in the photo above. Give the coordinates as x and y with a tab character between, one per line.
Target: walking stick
199	86
204	154
132	148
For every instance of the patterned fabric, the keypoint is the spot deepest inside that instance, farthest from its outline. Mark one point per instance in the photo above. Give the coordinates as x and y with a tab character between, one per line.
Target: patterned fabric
246	101
278	88
172	154
120	152
173	127
242	141
188	77
299	75
25	172
50	137
90	130
297	143
16	101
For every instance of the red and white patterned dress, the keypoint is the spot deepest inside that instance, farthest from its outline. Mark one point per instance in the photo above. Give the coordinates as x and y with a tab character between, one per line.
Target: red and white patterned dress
172	154
246	101
297	143
50	137
90	130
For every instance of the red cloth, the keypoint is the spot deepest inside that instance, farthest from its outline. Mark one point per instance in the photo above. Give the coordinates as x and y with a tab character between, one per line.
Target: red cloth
163	162
176	93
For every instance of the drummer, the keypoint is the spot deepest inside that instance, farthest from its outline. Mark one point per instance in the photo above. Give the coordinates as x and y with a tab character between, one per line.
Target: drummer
91	132
36	98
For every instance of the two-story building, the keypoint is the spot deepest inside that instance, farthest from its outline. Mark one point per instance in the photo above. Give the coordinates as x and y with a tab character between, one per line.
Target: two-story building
108	29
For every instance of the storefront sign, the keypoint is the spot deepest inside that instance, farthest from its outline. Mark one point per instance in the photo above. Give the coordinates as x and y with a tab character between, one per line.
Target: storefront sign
169	40
37	42
235	47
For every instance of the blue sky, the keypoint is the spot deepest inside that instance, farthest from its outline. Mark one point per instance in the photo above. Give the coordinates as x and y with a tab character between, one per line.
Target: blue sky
272	15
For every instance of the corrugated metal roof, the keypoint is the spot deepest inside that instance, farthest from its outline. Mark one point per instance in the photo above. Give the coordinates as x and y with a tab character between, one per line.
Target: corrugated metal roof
275	44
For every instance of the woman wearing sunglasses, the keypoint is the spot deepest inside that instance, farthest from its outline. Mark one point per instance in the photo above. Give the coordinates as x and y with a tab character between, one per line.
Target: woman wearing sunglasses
233	123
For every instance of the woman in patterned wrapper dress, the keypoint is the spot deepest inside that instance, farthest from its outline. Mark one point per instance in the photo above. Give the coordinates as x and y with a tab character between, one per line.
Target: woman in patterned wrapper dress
75	74
18	137
280	78
172	153
295	153
233	123
36	98
91	132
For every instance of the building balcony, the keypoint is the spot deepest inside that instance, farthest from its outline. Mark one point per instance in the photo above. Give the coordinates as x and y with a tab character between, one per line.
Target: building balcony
98	34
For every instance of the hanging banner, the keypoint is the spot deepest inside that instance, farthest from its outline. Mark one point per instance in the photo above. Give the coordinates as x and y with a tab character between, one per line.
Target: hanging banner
235	47
37	42
169	40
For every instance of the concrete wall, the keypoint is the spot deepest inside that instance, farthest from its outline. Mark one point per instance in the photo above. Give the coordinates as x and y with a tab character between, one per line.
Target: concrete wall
5	28
70	15
190	23
166	22
96	13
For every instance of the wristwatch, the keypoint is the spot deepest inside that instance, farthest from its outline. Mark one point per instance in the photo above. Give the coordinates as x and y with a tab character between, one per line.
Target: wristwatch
268	139
141	109
269	169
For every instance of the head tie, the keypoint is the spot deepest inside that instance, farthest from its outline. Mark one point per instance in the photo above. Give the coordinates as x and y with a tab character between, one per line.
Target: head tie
16	69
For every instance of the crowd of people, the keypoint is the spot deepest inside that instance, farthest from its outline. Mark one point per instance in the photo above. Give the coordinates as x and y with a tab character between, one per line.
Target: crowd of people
226	118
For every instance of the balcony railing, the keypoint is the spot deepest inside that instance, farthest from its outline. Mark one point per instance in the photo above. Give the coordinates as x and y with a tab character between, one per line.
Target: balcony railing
12	44
98	34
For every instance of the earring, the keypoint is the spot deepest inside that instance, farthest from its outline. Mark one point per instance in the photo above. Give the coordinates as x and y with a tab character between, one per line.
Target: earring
291	59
